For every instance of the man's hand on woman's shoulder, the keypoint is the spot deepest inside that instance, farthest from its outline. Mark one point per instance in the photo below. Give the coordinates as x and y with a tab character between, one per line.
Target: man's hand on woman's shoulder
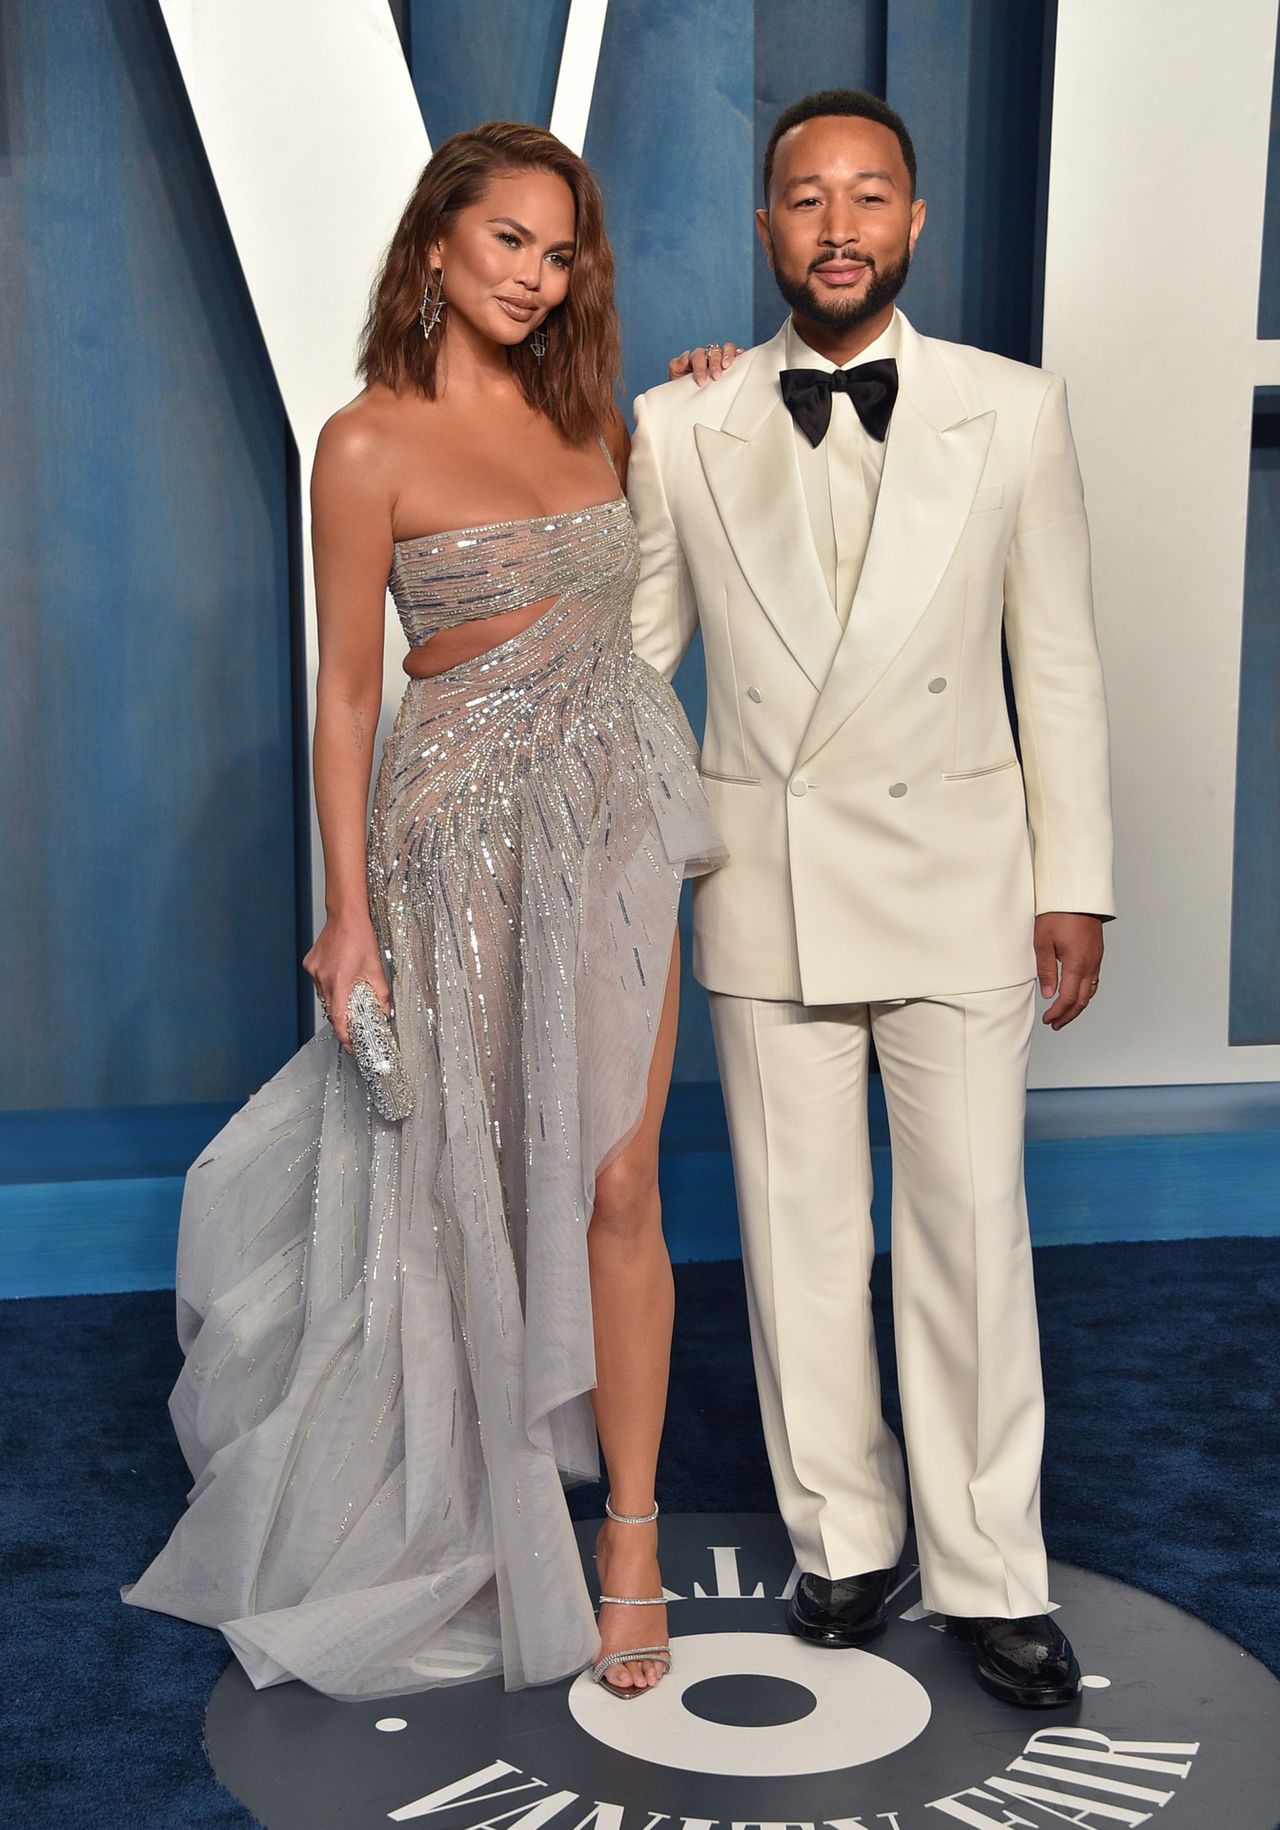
706	363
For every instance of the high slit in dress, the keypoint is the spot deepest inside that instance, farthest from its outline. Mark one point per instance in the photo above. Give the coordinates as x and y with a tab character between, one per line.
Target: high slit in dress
387	1328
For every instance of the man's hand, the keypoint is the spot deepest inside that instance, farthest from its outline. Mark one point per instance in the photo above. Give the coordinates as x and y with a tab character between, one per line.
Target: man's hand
1068	960
706	363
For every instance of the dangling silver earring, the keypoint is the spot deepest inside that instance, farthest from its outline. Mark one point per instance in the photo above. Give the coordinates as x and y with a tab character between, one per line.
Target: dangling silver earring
538	341
430	310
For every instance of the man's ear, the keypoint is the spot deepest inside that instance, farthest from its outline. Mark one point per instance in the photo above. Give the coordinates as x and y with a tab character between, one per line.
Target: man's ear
766	240
917	223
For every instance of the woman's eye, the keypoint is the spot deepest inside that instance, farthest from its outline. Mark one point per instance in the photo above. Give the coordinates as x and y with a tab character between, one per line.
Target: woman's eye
561	260
512	241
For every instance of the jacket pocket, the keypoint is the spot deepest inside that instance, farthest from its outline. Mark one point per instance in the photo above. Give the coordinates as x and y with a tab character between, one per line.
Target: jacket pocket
740	781
968	775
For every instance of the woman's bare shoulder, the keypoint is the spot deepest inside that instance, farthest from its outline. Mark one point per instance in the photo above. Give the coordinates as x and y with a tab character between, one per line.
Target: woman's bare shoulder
365	432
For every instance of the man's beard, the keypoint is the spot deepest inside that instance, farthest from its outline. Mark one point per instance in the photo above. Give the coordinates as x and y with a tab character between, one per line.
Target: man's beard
839	314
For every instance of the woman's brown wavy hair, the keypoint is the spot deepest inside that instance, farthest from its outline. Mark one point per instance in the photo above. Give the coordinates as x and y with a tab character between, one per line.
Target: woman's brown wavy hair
574	383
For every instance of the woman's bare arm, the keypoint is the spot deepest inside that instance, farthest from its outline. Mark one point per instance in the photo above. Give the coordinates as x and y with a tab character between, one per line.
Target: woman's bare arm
618	439
351	505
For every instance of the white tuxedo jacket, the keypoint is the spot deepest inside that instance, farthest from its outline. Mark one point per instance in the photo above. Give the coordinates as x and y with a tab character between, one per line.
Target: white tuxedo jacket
865	780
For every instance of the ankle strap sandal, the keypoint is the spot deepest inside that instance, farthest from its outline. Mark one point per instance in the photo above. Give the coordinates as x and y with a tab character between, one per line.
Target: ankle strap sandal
659	1654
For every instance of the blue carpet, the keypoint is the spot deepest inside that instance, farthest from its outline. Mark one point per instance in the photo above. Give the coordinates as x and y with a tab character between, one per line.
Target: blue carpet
1162	1366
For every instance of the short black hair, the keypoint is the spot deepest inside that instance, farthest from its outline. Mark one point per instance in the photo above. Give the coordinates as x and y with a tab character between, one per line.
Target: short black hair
856	102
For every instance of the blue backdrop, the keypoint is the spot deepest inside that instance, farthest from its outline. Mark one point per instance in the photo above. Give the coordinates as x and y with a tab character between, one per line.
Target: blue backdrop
1255	903
149	720
150	726
149	922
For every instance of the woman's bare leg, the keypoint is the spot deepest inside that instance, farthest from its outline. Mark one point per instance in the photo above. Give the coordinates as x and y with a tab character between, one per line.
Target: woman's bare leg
633	1302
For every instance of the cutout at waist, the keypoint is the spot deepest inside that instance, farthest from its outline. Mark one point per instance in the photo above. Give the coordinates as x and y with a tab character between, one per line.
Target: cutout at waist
449	648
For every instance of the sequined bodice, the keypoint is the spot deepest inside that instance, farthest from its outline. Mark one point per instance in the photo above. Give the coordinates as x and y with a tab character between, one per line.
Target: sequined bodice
441	580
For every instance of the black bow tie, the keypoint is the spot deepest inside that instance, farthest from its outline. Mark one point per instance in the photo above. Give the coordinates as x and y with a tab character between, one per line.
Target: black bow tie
872	387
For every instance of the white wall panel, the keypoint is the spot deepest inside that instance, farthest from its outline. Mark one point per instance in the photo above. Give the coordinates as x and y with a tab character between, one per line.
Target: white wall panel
1158	168
315	140
579	60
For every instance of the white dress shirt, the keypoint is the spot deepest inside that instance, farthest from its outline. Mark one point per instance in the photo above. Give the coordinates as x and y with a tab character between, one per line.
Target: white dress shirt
841	476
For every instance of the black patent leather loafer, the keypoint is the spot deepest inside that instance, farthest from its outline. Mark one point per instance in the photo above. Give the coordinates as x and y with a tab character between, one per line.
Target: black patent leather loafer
843	1613
1028	1662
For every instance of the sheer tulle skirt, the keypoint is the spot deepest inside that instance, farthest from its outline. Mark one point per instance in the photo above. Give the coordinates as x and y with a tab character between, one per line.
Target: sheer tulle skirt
387	1328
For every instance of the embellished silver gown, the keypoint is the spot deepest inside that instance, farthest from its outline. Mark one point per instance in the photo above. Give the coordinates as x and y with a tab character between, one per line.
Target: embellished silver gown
387	1328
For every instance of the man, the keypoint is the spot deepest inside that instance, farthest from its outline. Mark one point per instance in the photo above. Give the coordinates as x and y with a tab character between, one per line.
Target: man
853	513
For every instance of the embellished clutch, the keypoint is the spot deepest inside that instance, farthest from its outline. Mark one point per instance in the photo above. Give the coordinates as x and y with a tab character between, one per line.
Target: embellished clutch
373	1043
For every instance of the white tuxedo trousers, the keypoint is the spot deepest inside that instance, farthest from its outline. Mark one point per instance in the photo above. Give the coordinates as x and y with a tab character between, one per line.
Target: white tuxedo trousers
954	1072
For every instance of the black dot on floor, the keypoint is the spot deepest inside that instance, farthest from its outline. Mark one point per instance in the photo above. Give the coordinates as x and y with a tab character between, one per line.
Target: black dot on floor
747	1699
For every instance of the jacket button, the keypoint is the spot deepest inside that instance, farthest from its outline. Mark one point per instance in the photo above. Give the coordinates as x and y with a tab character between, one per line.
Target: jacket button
754	694
897	790
938	686
799	785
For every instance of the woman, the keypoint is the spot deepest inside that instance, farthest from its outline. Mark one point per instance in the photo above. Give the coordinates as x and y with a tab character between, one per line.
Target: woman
391	1364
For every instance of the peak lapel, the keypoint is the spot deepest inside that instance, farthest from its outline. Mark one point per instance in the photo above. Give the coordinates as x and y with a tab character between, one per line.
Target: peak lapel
932	463
751	471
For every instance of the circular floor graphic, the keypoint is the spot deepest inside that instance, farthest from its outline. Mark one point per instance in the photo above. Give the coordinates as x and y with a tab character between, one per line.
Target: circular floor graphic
756	1730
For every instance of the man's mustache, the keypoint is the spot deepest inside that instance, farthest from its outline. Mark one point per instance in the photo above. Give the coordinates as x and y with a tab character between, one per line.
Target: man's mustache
842	256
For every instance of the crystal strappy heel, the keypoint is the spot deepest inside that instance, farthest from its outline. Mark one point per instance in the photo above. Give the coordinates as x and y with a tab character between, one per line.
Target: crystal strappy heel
660	1654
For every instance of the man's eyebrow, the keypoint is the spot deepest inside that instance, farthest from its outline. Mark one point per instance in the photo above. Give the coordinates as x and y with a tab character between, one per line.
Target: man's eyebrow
528	234
817	178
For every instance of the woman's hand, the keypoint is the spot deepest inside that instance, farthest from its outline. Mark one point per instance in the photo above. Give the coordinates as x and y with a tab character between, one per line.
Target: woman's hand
706	363
344	951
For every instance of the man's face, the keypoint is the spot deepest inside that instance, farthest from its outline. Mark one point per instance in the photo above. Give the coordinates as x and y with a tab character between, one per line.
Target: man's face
841	225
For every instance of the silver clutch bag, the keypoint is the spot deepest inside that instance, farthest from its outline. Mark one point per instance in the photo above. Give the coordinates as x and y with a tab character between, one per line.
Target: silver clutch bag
373	1043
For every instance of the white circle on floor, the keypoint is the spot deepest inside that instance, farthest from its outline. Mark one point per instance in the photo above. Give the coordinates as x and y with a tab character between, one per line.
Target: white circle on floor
866	1708
1096	1683
391	1724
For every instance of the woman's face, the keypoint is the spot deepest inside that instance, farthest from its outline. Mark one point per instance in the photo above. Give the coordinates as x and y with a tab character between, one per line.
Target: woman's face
507	257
